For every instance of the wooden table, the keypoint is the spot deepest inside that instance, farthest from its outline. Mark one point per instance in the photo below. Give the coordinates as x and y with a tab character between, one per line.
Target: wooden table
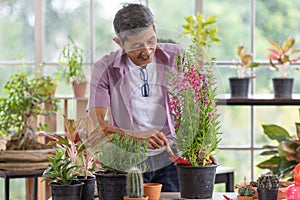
21	174
216	196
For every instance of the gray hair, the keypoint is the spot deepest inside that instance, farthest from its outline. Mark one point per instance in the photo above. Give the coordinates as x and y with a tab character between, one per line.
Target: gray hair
132	19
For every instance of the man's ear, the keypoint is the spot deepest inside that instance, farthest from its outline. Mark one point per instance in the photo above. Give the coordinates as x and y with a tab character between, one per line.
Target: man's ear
118	41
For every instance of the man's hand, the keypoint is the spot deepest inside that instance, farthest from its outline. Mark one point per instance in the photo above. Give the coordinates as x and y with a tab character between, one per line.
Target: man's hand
155	139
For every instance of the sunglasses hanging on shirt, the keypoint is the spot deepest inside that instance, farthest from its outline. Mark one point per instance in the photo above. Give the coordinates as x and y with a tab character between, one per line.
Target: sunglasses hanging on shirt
144	76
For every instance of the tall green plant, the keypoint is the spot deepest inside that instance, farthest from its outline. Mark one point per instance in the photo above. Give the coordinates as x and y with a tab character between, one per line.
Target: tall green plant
72	57
193	95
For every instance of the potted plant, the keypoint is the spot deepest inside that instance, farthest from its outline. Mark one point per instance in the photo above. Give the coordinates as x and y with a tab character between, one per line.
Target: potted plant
195	114
135	190
239	85
117	154
76	143
63	176
245	192
284	55
268	186
283	157
72	57
25	101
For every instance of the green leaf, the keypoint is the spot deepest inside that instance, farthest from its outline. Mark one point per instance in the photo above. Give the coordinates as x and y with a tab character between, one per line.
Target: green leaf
276	132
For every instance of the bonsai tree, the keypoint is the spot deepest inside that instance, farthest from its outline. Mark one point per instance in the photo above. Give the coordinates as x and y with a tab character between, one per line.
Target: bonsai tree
283	55
25	101
135	184
245	61
284	156
72	57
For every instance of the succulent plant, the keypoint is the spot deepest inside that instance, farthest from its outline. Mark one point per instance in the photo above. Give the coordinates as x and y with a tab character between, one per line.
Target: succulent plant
135	183
246	190
268	181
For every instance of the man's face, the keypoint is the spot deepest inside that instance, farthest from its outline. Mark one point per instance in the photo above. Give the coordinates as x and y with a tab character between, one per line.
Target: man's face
140	48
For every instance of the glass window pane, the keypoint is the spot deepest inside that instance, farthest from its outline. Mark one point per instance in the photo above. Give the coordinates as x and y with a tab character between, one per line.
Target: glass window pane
276	20
63	19
234	28
284	116
16	29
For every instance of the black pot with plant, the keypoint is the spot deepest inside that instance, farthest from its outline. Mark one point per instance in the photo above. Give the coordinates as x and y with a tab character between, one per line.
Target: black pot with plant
71	57
77	144
194	110
268	186
117	155
63	176
239	86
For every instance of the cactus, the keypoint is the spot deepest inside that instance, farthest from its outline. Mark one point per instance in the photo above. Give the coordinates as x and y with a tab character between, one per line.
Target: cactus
135	183
246	190
268	181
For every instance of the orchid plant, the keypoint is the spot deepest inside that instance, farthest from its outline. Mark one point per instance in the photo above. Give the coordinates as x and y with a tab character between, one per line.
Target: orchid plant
246	61
193	106
283	55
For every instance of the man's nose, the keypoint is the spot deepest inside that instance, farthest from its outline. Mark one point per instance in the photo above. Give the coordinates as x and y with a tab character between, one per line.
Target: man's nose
147	51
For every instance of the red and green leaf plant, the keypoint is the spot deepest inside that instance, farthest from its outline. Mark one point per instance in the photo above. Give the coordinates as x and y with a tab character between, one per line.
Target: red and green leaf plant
283	55
245	61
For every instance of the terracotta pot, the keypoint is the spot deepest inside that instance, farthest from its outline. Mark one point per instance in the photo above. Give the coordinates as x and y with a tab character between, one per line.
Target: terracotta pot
152	190
129	198
79	89
245	197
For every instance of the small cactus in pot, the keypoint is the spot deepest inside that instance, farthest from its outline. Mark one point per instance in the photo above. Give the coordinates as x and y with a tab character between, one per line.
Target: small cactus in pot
246	192
135	188
268	186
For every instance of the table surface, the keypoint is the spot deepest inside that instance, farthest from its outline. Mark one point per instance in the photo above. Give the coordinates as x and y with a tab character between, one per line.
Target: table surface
216	196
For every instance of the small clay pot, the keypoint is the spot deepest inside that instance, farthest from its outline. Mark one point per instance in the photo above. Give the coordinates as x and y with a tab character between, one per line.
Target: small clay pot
152	190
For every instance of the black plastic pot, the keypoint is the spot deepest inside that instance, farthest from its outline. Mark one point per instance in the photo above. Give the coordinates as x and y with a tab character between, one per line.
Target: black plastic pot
264	194
111	186
88	187
239	87
196	182
283	87
63	192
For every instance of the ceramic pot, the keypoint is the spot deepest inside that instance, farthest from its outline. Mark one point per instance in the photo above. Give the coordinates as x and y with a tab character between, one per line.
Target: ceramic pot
245	197
152	190
79	89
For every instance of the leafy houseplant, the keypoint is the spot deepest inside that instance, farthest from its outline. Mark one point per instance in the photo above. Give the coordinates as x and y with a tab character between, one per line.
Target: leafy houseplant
239	85
135	185
63	177
246	192
117	155
25	101
282	54
80	136
72	57
285	155
193	96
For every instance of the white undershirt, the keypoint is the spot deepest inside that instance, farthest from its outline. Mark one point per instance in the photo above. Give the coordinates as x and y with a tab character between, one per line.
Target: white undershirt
148	112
